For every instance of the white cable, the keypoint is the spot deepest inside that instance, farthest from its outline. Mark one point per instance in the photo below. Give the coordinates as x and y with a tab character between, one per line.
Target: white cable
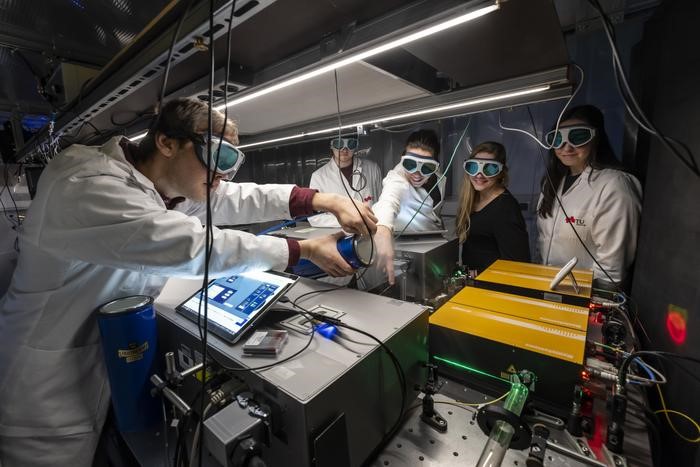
662	378
627	106
195	440
621	78
556	127
627	94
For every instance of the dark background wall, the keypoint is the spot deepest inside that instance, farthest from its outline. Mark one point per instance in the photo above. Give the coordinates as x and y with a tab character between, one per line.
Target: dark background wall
668	258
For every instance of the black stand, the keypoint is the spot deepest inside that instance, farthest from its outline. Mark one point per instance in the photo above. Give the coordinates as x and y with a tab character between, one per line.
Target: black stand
538	446
573	424
429	415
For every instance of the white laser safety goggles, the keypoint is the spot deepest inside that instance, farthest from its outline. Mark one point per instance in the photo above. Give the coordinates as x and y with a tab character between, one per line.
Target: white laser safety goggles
486	167
226	158
412	163
576	136
342	143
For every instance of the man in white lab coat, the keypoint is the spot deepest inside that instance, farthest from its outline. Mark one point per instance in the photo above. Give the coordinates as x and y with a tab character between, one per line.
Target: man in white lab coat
412	196
346	173
102	227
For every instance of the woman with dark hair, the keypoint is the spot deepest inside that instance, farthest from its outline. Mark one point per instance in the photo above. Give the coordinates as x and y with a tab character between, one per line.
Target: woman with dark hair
489	222
602	203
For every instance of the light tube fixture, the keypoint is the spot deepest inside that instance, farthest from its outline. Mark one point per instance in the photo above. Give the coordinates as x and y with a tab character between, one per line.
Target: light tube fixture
399	116
356	57
428	31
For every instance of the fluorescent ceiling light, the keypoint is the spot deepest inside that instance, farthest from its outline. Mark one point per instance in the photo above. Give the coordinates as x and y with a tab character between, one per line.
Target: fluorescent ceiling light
137	136
442	108
365	54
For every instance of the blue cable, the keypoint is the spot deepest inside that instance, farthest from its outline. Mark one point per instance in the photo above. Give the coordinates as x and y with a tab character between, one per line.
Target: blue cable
282	225
648	371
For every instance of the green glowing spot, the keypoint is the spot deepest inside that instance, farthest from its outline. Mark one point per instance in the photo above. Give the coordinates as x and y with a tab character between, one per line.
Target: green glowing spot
436	270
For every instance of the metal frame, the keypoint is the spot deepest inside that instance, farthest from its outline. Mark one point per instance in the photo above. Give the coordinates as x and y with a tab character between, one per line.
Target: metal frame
352	40
356	39
12	37
142	62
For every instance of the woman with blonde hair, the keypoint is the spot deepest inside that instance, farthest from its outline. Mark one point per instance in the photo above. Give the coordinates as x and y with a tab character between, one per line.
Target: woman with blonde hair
490	225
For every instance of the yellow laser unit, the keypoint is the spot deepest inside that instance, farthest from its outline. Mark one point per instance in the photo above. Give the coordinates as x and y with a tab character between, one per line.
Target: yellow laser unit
503	323
533	280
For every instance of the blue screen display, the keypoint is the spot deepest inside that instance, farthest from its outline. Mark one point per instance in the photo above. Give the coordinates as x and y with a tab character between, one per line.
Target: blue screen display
235	300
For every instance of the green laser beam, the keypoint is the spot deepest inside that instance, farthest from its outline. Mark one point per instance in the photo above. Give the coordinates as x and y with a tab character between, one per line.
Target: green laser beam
469	368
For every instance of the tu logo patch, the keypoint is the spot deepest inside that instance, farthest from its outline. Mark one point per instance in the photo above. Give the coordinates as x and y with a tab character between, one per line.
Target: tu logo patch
573	220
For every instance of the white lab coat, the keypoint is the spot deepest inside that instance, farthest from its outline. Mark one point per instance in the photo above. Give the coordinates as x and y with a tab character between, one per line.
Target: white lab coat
327	179
400	200
98	230
605	206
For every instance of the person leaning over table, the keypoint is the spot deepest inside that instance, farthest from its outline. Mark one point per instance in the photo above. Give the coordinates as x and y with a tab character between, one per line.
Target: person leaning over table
116	220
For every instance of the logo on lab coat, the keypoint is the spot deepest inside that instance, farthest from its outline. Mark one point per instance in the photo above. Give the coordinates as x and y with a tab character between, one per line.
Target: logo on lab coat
133	353
573	220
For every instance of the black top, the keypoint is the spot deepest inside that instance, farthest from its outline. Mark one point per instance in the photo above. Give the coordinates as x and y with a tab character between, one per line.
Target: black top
568	181
497	232
435	194
347	172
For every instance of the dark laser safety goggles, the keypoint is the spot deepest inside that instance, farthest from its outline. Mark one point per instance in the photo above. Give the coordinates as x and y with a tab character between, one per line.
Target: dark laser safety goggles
574	135
416	163
486	167
226	158
342	143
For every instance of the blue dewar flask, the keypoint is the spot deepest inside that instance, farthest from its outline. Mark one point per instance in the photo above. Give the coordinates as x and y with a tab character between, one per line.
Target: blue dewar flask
356	250
129	339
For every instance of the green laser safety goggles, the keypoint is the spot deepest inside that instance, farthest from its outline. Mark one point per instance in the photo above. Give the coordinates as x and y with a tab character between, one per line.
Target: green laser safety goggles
226	158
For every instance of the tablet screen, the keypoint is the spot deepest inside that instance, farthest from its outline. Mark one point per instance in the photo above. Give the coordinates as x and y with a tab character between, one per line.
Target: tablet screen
236	302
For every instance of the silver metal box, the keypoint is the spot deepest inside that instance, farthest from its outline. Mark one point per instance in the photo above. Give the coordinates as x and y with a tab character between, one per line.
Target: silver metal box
430	260
354	382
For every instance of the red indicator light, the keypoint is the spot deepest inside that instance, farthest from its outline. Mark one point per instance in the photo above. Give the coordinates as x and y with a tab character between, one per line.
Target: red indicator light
585	376
676	327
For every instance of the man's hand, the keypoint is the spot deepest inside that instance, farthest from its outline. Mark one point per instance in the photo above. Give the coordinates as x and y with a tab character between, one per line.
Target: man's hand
384	243
323	252
350	213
